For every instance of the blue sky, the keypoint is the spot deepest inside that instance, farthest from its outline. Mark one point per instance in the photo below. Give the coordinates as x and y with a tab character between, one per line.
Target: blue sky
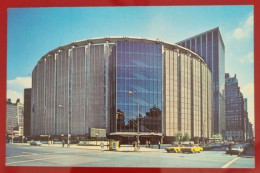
32	32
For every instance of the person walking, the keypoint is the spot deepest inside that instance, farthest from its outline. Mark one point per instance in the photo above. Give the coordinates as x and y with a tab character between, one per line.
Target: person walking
159	144
146	143
69	144
149	143
102	146
63	143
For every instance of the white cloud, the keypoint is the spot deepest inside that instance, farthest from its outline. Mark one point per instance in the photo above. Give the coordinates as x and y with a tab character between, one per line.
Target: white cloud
246	29
14	95
23	81
249	58
248	92
15	87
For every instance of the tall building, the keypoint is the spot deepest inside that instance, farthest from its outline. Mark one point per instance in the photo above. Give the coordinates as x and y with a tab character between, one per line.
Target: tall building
210	46
14	118
250	132
246	120
235	112
120	82
27	111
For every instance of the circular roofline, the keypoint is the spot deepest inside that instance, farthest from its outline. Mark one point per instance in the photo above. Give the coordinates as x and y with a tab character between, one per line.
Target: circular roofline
113	39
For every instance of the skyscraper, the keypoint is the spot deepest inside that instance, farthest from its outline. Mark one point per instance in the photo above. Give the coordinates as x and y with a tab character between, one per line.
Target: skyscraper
235	115
210	46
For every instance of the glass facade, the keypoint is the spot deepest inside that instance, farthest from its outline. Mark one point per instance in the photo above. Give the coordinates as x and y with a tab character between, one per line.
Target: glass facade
138	69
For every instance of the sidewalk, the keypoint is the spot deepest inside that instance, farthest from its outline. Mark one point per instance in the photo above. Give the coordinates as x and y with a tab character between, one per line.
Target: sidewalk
123	148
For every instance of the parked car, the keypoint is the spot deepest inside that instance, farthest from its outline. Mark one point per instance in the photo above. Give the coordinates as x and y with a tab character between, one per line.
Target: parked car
174	149
35	143
200	147
190	148
245	146
234	149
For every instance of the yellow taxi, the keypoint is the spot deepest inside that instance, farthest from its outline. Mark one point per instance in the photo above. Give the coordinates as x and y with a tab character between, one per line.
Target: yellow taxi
190	148
201	148
174	149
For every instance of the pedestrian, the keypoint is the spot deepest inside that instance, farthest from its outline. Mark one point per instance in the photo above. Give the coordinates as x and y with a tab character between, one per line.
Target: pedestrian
146	143
149	143
102	145
159	144
63	143
229	147
68	143
135	146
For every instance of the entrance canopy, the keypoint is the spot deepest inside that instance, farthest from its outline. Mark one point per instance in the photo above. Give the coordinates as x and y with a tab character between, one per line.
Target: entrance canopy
132	134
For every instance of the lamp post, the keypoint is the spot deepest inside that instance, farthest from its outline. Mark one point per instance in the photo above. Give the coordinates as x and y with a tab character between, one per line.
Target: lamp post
61	106
96	138
203	140
131	92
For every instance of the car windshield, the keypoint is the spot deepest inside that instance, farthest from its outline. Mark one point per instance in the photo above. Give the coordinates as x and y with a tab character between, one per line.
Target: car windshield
236	146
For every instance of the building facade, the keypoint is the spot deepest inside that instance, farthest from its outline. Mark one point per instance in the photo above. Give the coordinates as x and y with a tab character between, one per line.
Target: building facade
14	118
236	119
251	135
27	111
210	46
92	81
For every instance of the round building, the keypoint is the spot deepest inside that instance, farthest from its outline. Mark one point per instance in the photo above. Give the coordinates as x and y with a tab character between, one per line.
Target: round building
106	83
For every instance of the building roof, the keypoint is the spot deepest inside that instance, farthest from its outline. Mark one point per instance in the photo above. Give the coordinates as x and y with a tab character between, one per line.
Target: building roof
217	28
114	39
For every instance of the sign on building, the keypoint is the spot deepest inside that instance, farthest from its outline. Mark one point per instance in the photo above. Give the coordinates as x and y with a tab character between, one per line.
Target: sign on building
97	133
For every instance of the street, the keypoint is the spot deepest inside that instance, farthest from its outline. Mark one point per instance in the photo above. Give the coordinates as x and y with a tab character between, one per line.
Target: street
93	156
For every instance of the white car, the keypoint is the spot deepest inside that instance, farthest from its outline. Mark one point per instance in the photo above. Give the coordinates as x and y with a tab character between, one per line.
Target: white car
234	149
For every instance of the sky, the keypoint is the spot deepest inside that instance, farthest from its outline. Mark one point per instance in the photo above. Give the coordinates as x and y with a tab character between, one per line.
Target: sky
33	32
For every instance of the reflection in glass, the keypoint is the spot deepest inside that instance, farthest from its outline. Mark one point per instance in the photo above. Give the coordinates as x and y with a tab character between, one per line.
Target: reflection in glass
139	69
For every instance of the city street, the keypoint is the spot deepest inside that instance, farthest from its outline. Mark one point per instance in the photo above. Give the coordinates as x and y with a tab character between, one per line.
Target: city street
93	156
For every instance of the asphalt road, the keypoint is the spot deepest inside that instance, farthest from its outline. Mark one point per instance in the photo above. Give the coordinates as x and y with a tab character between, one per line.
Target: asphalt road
25	155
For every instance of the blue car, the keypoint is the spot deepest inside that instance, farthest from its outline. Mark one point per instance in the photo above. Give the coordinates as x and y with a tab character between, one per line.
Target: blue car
36	143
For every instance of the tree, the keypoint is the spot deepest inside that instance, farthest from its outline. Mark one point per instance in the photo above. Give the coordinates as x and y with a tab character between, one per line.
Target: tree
179	136
217	136
186	137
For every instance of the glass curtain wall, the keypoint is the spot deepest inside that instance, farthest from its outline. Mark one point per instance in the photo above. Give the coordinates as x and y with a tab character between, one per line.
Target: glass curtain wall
139	69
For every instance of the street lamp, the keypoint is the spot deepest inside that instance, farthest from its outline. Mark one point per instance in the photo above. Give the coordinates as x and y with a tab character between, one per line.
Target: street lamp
96	138
203	140
131	92
61	106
